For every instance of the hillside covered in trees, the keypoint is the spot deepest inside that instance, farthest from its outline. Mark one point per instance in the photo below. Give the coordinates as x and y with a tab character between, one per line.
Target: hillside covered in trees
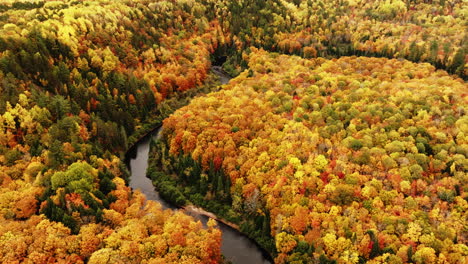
343	137
343	157
79	80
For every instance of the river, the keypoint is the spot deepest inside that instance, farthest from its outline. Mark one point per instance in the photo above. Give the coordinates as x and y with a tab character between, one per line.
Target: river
235	246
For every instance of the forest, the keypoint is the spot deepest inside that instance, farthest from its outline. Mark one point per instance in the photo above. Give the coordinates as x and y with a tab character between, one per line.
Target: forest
342	137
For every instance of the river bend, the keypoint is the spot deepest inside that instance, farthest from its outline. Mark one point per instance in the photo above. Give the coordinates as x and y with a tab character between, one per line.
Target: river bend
235	246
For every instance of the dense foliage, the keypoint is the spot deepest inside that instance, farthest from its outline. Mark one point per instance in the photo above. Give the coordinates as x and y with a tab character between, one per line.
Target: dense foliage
75	79
81	81
351	159
420	31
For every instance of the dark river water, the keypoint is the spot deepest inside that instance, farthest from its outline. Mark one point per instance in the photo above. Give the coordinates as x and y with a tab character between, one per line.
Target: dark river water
235	246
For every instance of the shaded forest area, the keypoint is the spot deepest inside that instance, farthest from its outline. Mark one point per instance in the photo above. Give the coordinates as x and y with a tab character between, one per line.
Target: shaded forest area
81	81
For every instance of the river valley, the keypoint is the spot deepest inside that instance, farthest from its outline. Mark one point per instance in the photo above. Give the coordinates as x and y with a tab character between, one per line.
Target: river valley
236	247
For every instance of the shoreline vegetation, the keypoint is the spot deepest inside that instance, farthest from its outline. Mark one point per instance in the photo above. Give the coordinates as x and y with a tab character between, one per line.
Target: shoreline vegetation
205	147
178	201
198	210
211	85
201	211
188	206
171	190
168	106
331	158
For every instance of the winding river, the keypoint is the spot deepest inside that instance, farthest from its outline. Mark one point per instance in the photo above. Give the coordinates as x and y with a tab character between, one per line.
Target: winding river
235	246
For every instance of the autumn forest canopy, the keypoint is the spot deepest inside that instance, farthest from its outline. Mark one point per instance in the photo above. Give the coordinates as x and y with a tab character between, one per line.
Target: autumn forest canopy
342	137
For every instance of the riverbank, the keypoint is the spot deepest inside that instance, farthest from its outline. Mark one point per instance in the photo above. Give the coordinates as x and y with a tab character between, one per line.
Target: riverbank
236	245
198	210
173	187
255	227
169	105
241	247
